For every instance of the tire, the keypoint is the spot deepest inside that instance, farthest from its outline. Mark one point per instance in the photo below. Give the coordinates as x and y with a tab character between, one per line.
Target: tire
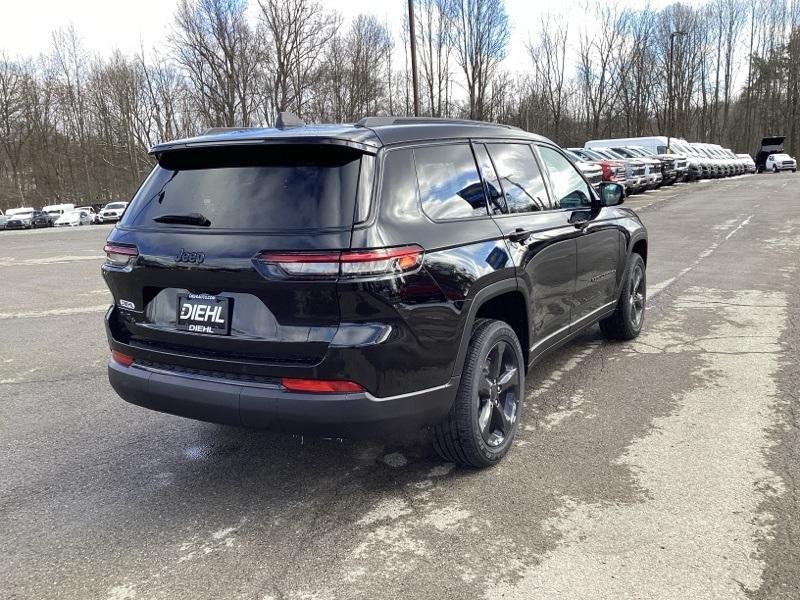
493	384
627	320
774	168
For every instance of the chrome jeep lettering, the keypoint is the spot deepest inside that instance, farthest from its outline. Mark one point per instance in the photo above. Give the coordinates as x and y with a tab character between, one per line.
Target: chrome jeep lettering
191	257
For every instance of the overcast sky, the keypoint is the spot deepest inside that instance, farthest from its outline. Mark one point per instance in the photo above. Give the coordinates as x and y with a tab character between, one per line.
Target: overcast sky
26	25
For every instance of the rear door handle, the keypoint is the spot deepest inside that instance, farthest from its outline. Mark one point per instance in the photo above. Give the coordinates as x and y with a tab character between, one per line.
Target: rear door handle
520	235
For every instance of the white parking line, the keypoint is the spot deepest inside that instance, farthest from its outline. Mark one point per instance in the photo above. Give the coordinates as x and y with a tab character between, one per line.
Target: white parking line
49	260
55	312
742	224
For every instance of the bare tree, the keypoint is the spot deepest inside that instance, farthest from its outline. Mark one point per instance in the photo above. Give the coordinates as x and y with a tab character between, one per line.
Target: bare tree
214	43
77	127
599	79
549	59
481	42
297	33
436	36
14	130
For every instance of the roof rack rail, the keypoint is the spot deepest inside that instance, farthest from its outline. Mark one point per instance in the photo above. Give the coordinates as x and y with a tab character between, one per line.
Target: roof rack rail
287	120
213	130
384	121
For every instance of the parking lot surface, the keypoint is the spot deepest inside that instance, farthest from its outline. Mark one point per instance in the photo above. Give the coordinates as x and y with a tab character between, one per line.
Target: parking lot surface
664	468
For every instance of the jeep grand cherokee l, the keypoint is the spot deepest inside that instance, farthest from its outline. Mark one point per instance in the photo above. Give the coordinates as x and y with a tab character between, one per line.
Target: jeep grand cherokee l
355	280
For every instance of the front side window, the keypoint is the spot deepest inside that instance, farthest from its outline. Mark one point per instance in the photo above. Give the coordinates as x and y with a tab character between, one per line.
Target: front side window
570	190
449	184
520	177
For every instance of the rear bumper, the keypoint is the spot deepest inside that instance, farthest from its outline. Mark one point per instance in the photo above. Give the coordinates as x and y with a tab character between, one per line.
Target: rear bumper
269	406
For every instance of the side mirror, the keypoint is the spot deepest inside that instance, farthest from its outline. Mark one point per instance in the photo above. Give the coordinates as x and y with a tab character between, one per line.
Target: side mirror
611	194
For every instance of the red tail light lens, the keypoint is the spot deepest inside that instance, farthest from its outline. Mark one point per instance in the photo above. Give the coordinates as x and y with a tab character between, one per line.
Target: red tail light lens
320	386
120	255
123	359
344	264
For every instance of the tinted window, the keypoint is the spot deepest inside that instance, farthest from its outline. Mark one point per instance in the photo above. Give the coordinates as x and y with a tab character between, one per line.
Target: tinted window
570	190
449	184
494	193
277	188
519	177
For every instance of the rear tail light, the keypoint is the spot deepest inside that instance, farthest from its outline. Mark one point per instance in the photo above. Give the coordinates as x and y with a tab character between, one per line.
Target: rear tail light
123	359
320	386
343	264
120	255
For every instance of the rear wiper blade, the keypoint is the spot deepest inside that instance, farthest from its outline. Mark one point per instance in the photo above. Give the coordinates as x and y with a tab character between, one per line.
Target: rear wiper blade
183	219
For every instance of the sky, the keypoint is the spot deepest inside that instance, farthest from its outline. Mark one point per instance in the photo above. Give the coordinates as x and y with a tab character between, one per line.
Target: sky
105	25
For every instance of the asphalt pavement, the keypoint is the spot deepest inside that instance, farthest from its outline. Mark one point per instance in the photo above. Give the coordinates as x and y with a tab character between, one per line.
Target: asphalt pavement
663	468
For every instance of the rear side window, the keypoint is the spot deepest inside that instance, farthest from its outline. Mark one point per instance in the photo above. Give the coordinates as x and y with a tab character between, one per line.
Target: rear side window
274	188
449	184
570	189
520	178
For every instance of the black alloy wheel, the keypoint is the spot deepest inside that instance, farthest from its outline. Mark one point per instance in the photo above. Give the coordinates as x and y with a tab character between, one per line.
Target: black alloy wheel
625	323
636	296
498	394
484	418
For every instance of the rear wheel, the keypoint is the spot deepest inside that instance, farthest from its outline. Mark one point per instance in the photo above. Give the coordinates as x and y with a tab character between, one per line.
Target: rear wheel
484	418
628	318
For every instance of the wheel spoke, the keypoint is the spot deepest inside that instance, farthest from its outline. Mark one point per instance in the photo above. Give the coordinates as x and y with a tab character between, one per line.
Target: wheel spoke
507	378
484	386
637	280
485	418
508	414
497	366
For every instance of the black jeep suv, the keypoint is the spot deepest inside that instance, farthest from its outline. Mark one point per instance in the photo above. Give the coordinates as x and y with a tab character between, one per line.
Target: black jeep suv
358	279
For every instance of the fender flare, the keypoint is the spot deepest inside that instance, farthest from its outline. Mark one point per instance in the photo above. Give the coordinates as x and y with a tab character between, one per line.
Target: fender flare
484	294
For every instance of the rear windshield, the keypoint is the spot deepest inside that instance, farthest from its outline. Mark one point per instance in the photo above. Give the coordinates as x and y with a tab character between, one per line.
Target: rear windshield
277	188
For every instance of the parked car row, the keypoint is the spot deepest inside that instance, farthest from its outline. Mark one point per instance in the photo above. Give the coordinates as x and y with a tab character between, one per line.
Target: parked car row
646	163
60	215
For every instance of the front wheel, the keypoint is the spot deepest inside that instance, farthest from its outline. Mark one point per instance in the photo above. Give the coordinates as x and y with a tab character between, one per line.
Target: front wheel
627	320
484	418
774	168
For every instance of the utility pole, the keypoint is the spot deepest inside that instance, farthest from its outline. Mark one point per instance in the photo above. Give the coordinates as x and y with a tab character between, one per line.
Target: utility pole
413	56
670	100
